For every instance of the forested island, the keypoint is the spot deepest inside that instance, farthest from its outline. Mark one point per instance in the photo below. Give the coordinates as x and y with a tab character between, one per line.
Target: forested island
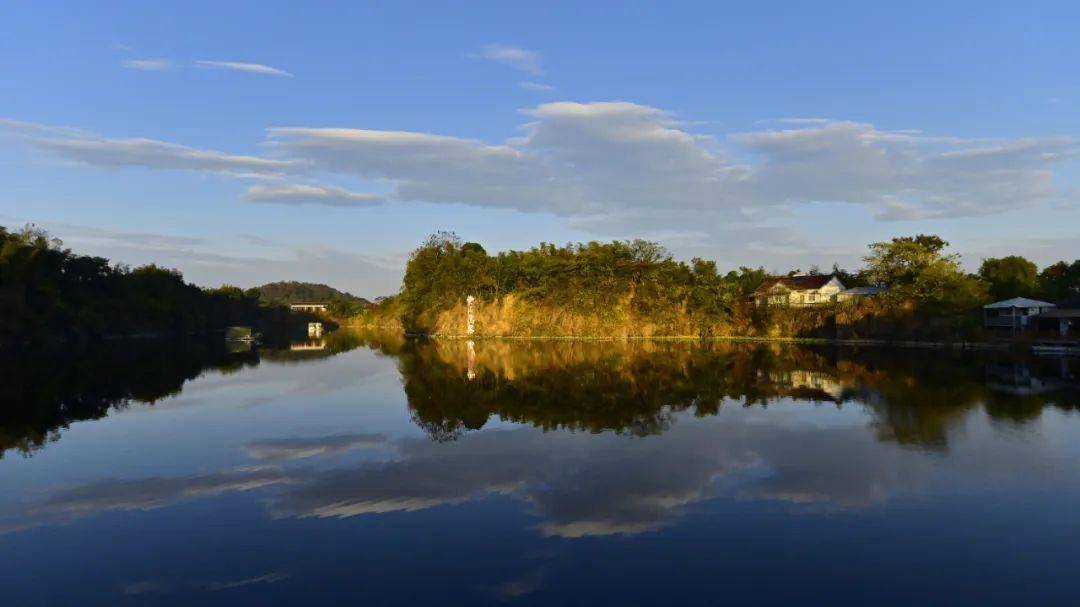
637	289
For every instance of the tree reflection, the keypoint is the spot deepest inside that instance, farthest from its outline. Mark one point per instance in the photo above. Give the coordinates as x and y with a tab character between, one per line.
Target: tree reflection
916	397
43	393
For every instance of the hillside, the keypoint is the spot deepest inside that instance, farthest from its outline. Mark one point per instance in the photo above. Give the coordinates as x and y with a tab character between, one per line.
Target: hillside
291	292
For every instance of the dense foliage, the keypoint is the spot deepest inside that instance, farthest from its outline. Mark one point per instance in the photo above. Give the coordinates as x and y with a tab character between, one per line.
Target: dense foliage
1010	276
917	269
1060	282
48	292
601	278
927	289
292	292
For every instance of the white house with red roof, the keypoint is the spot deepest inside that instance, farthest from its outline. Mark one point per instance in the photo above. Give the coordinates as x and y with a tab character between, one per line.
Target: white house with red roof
798	291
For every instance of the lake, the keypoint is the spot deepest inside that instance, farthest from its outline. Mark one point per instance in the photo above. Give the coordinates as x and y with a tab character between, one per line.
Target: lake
366	469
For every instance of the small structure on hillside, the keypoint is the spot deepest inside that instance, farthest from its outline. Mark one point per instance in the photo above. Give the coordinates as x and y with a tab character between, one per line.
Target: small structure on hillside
308	307
798	291
1015	314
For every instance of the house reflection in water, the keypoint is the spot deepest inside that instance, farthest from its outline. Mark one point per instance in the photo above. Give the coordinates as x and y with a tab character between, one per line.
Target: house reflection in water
304	346
811	385
1029	378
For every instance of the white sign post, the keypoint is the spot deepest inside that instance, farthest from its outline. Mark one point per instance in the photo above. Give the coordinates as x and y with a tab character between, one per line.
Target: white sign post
469	315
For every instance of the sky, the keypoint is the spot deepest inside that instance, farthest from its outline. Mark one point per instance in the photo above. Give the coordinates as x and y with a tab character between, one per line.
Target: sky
245	142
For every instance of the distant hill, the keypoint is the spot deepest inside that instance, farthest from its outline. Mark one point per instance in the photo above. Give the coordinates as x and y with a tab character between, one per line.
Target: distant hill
291	292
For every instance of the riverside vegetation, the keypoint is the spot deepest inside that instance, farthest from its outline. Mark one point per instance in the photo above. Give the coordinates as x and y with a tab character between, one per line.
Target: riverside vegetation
636	289
617	290
50	295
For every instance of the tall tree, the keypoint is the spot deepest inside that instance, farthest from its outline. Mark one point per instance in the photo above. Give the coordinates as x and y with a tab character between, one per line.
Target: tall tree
916	268
1060	281
1010	276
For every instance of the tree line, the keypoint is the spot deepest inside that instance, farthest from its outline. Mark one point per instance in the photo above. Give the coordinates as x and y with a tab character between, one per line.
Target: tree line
48	293
293	292
923	279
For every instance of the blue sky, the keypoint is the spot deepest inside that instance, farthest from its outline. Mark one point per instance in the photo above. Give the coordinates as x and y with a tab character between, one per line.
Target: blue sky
246	142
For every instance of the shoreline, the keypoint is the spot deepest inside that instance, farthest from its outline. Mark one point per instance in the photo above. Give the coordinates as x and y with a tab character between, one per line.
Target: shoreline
938	345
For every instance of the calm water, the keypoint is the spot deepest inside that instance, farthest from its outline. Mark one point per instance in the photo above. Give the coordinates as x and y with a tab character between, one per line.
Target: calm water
377	472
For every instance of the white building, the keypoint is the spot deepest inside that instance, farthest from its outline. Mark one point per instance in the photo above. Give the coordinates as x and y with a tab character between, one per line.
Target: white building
798	291
1014	314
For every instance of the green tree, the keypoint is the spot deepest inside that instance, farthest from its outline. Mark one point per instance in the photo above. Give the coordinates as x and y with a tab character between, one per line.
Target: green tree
48	292
440	273
1010	276
917	269
1060	281
850	279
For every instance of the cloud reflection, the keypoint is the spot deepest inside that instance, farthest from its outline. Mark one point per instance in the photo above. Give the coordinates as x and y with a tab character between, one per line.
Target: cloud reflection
143	587
321	446
582	485
577	484
152	493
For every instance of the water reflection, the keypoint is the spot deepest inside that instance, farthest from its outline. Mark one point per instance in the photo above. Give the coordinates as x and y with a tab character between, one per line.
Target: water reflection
452	387
43	393
916	397
495	469
581	485
577	484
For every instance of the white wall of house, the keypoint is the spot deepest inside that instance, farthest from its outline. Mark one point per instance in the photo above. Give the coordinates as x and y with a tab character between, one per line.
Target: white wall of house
781	295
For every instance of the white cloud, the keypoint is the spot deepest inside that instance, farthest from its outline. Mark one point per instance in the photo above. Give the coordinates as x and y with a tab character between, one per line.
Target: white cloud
628	169
21	127
370	274
536	86
425	167
239	66
518	58
620	165
900	175
148	241
295	193
88	148
148	65
158	154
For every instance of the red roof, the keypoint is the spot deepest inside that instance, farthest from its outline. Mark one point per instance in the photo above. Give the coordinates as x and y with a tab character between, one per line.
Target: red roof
796	283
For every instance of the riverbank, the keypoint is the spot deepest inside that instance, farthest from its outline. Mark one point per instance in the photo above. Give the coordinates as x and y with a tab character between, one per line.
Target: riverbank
957	345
